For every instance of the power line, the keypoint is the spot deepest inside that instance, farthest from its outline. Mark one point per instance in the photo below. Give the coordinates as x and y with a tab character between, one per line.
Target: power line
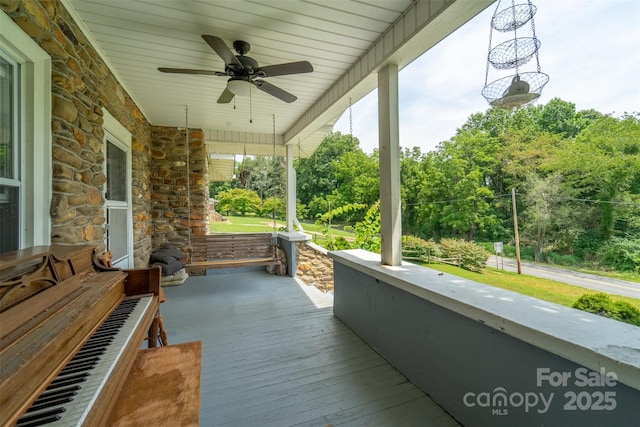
455	200
573	199
596	201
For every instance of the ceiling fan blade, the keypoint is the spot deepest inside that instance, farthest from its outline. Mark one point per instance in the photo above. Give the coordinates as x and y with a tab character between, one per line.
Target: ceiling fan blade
225	97
289	68
274	91
222	50
190	71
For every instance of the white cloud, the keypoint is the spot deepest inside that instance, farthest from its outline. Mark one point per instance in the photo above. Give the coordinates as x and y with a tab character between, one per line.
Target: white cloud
589	50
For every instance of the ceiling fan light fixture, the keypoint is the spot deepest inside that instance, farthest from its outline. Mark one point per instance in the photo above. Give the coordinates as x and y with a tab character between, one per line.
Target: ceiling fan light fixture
239	87
245	72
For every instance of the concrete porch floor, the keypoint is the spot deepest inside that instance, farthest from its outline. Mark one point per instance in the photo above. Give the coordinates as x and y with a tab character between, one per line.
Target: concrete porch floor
274	355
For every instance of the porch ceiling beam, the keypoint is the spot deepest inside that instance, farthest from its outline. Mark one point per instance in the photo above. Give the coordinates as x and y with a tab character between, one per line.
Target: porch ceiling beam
215	135
229	142
242	149
419	28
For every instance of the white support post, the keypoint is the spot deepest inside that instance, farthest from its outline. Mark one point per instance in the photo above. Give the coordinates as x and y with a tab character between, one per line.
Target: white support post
291	189
389	146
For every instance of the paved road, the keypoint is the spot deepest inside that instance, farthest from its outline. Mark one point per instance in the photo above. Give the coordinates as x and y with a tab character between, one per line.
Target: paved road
590	281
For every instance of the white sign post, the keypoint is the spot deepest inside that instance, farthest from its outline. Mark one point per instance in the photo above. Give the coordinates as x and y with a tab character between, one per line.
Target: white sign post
497	246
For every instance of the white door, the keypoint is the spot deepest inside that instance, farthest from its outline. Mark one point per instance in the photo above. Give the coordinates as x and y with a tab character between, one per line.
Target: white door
119	239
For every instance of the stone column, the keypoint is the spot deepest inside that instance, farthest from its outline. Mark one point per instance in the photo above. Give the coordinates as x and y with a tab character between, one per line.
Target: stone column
179	193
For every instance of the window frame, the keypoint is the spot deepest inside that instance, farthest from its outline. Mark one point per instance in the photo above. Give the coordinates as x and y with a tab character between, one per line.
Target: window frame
13	180
35	132
10	183
121	138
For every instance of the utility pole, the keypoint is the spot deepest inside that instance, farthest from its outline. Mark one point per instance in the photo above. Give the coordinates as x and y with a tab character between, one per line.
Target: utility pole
515	228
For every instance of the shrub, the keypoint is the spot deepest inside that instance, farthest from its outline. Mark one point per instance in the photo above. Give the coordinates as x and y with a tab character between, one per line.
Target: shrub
625	312
622	255
526	252
368	230
420	248
602	305
488	246
336	243
471	256
563	259
593	303
587	244
509	250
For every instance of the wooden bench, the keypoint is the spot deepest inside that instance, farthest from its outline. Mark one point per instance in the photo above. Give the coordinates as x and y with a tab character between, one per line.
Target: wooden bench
231	250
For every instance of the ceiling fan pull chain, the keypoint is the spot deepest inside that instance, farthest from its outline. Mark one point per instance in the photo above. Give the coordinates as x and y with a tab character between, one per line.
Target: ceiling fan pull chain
186	135
273	161
250	107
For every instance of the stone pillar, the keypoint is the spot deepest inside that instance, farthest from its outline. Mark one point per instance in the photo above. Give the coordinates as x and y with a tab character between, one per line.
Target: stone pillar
179	193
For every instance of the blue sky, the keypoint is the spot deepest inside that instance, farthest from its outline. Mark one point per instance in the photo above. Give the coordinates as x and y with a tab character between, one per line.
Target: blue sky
589	48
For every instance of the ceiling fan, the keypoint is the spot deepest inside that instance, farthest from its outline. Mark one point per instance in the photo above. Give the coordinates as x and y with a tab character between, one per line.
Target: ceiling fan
244	71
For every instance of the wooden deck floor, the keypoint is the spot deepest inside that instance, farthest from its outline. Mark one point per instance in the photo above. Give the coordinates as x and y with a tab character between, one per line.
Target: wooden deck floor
274	355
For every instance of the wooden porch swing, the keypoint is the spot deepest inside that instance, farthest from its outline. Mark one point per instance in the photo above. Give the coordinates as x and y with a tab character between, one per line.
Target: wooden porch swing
233	250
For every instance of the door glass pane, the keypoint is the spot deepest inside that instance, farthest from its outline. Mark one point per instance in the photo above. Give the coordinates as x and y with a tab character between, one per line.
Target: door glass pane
9	219
116	173
117	233
7	110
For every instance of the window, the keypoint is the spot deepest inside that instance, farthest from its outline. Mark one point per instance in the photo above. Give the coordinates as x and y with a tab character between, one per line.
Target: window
25	139
9	153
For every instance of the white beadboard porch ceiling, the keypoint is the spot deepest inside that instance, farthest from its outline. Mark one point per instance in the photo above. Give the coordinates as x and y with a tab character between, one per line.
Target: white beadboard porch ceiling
346	41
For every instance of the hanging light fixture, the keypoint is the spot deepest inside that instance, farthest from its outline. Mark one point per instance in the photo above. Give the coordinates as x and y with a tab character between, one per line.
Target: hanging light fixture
523	87
239	86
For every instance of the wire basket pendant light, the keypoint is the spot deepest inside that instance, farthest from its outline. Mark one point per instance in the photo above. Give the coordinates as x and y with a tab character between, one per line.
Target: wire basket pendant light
523	87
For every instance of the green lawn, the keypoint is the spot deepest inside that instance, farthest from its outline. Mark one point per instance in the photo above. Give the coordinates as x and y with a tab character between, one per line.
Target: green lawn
246	224
544	289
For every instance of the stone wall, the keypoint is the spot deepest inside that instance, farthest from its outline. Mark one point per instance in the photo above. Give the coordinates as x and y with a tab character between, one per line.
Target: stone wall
175	215
82	88
314	266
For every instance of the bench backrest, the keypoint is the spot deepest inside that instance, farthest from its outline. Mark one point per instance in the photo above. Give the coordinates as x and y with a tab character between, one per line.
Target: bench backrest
233	246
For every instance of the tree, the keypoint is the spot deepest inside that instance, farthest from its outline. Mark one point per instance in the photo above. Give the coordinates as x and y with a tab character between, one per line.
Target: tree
602	165
263	174
494	122
316	175
357	177
274	206
456	194
560	159
560	117
216	187
238	200
412	177
546	210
